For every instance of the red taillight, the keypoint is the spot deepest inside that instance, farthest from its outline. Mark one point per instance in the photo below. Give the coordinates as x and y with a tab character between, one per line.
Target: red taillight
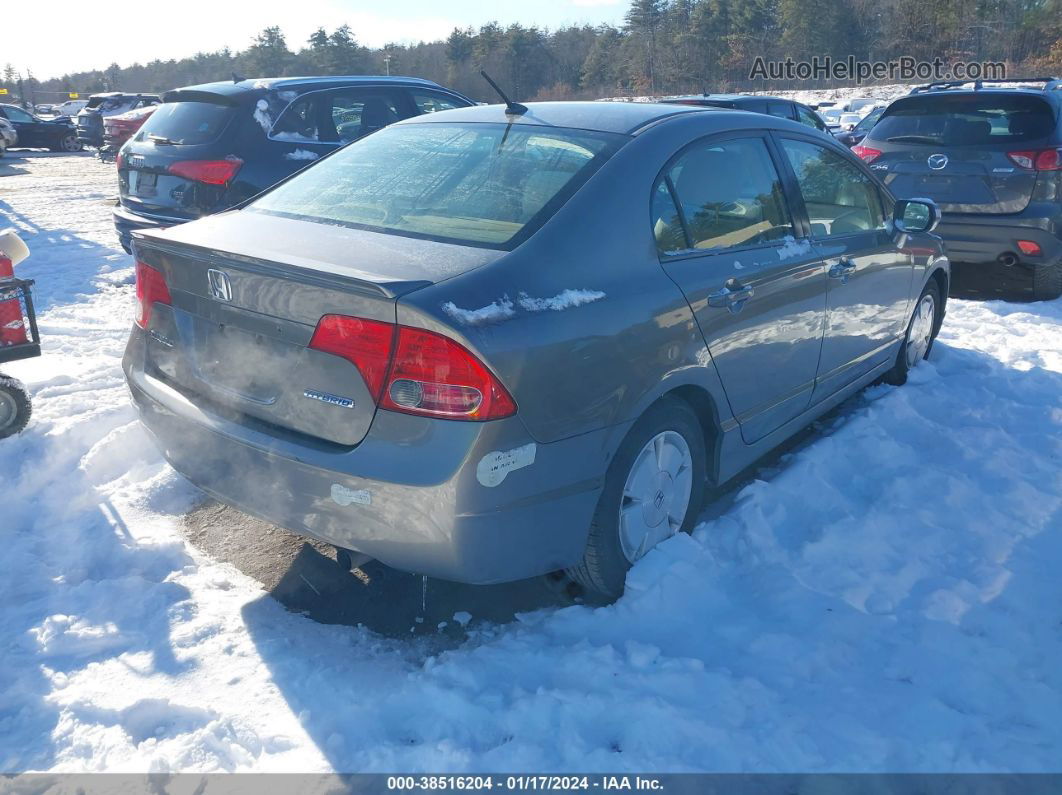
415	371
1038	159
1029	248
366	344
119	160
434	375
866	153
151	289
211	172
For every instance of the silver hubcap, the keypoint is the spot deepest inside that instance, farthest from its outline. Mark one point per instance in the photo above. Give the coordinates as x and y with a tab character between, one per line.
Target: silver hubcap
656	494
8	410
70	143
921	331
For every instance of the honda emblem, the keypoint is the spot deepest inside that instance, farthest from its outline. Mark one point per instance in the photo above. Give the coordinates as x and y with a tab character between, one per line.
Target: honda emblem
220	287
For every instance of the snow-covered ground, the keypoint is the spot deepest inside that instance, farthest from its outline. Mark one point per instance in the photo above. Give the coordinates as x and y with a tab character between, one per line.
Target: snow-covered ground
886	597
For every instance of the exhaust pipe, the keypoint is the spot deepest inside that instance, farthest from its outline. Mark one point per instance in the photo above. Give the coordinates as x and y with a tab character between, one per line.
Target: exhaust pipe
1008	260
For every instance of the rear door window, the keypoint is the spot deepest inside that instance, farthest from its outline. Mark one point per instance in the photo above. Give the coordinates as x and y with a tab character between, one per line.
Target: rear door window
432	102
966	120
338	116
840	199
187	123
729	196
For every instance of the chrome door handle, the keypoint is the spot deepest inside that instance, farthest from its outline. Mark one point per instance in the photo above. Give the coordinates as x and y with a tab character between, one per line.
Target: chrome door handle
731	296
842	270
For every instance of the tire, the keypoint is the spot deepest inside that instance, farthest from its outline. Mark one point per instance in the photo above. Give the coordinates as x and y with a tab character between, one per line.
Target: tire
921	333
1047	282
610	548
68	143
3	147
15	407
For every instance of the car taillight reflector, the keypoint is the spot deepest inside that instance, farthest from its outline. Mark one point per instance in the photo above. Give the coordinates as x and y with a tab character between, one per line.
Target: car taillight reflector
366	344
1038	159
210	172
865	153
151	289
415	371
1030	248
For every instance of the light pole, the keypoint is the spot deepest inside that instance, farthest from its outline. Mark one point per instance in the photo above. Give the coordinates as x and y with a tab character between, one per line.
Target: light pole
387	64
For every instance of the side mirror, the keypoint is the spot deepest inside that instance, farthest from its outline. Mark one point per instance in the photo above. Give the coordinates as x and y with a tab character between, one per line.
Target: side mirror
916	215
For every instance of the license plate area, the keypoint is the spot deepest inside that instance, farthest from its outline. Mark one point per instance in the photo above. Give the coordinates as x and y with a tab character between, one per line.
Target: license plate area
142	183
241	363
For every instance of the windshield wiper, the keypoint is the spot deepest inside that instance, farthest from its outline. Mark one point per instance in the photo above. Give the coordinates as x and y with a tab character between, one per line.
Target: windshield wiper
162	139
914	139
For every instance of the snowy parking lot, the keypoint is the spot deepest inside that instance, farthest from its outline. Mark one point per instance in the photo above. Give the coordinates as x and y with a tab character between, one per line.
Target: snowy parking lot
884	596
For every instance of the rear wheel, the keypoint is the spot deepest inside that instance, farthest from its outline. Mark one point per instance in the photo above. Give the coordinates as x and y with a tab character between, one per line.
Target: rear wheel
921	332
653	490
1047	282
14	407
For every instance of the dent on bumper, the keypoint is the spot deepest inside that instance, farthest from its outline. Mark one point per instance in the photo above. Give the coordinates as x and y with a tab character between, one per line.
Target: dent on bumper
407	495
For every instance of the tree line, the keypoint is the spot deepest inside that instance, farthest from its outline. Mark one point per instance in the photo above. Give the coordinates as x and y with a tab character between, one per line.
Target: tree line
663	47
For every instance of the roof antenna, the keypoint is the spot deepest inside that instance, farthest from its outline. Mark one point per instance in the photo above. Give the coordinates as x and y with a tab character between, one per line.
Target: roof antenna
511	108
237	79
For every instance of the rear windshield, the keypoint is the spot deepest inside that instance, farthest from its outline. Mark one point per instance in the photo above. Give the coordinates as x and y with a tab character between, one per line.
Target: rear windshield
187	122
966	120
481	184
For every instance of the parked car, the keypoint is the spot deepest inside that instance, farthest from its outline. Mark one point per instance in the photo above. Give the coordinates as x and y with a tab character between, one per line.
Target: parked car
848	121
494	342
44	110
832	118
70	108
8	136
119	129
991	156
100	106
859	132
34	132
860	105
210	147
773	106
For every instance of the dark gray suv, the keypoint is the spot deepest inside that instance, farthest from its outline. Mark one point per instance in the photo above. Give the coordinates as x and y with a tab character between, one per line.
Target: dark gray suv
991	157
484	345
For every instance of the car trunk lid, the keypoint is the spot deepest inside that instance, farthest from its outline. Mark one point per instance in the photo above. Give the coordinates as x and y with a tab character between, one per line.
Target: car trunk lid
238	329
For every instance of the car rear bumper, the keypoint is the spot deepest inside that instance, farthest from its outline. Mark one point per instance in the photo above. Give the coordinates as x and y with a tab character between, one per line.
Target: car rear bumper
126	222
987	238
412	494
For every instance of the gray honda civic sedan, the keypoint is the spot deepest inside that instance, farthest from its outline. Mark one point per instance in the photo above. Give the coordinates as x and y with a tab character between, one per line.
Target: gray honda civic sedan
494	342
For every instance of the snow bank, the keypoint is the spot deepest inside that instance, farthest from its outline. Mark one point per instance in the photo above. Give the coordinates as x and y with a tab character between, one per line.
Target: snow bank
884	596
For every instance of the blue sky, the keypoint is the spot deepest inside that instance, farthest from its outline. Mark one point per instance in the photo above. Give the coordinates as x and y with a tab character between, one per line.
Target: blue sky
146	30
